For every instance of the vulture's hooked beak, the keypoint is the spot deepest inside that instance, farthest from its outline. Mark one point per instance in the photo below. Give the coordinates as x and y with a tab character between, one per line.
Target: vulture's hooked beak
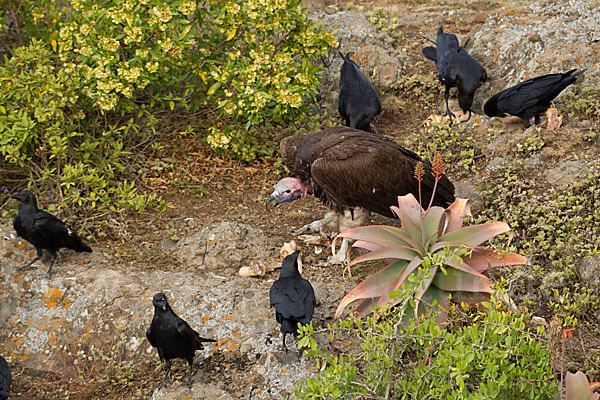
273	200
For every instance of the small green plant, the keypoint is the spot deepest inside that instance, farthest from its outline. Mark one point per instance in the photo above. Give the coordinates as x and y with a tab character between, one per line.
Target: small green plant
530	144
486	353
434	238
454	143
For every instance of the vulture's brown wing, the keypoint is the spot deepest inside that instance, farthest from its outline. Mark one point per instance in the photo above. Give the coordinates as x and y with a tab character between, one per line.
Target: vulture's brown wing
370	174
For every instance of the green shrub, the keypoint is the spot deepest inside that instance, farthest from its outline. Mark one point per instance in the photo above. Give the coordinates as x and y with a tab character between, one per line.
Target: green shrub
490	355
45	134
248	61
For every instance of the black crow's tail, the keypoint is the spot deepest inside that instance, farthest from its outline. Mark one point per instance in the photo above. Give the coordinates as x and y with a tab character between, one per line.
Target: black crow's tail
79	246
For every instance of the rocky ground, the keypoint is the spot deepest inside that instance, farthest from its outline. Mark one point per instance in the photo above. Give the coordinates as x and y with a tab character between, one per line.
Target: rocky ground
81	334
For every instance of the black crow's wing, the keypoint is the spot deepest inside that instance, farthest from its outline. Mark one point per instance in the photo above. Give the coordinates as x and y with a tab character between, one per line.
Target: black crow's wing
430	53
186	333
56	232
285	298
309	301
150	337
529	93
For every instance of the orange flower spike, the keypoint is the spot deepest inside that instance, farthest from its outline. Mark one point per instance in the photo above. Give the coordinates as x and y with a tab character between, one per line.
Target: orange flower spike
438	166
419	171
567	333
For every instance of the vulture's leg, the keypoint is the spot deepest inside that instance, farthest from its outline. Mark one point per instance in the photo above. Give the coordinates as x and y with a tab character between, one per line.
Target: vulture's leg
40	253
318	225
343	254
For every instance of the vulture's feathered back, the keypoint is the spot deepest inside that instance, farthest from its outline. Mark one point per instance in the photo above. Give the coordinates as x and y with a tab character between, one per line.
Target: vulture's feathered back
347	168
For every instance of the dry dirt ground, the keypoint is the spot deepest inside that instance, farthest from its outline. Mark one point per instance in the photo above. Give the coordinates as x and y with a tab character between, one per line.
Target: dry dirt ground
211	189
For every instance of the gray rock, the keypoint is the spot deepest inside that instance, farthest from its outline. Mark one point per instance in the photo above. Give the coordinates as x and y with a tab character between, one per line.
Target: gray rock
589	270
525	40
466	190
374	51
566	172
225	246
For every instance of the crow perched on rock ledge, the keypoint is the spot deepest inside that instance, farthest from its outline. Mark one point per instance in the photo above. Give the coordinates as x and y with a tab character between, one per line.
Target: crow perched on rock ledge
43	230
172	336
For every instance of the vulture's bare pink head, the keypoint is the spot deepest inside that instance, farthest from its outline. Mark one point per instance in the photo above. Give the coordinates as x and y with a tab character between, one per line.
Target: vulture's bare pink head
286	190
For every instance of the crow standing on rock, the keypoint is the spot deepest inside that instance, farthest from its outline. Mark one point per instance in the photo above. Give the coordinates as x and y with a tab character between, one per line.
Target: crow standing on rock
172	336
5	379
531	98
44	230
456	68
293	297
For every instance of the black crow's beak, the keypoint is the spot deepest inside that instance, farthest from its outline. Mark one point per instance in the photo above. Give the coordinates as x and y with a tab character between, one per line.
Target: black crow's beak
16	197
272	201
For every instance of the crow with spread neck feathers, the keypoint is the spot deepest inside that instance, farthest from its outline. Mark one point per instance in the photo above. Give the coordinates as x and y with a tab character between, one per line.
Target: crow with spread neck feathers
5	379
456	68
358	101
293	297
43	230
172	336
530	98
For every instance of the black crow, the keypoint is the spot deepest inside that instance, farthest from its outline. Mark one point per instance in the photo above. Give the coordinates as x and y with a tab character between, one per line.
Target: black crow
358	101
172	336
292	297
530	98
5	379
456	68
43	230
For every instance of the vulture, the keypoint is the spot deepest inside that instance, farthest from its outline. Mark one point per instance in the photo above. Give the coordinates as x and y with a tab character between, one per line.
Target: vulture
172	336
349	169
530	98
456	68
292	296
44	230
358	101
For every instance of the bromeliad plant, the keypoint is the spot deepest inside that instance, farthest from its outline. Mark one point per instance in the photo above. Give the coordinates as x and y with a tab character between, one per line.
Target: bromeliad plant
434	239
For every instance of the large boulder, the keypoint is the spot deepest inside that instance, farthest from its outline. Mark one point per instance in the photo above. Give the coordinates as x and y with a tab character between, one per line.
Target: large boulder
225	246
525	40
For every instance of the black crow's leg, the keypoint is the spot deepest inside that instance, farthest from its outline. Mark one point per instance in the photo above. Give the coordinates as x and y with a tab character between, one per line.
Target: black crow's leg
536	119
286	350
52	259
448	112
526	122
164	381
190	362
469	115
40	253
